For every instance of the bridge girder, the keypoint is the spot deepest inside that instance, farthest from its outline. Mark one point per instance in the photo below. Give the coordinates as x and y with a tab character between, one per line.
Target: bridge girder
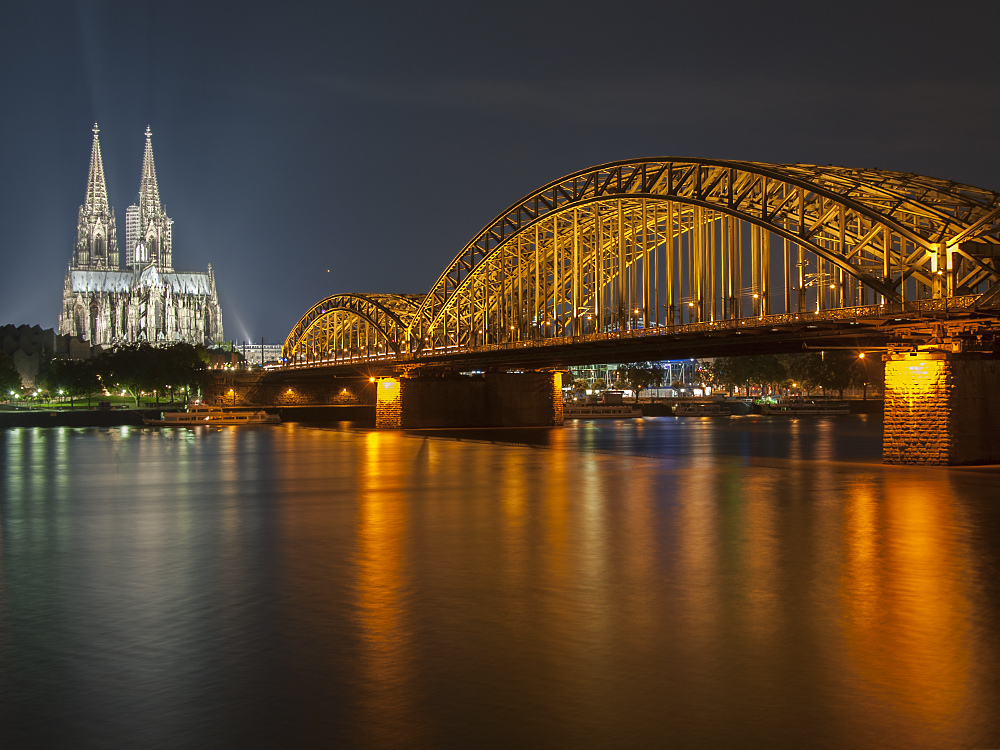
865	231
648	245
342	325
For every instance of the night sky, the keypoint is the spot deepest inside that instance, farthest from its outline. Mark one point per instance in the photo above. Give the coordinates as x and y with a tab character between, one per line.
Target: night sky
375	139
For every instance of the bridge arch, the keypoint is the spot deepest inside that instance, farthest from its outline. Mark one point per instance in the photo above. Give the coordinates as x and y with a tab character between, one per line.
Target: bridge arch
344	327
653	242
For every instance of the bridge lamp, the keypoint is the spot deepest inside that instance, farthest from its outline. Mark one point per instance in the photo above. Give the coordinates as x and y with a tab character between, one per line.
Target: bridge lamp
861	356
371	380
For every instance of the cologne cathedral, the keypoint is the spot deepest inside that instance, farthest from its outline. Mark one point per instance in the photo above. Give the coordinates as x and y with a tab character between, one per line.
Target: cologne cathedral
145	300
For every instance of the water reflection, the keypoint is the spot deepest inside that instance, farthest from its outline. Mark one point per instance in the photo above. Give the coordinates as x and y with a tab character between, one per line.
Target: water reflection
387	697
627	584
908	609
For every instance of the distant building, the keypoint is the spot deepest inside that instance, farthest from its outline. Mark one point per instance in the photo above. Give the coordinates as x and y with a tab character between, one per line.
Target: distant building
145	300
260	354
30	347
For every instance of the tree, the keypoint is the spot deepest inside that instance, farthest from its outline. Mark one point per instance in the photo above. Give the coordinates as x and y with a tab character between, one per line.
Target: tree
868	371
641	375
766	371
77	377
139	368
10	378
127	368
807	371
837	370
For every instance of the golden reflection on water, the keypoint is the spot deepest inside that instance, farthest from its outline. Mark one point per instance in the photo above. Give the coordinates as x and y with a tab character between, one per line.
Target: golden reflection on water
430	586
383	517
906	608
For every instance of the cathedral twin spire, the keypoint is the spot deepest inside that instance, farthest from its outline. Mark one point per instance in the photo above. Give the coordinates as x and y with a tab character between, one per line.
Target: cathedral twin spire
148	229
97	191
109	300
149	193
96	234
148	232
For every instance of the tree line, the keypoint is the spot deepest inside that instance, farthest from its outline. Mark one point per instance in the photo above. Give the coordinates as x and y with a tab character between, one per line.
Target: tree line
830	371
10	378
135	369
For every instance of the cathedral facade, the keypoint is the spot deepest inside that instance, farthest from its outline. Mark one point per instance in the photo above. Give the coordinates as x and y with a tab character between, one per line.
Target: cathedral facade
142	299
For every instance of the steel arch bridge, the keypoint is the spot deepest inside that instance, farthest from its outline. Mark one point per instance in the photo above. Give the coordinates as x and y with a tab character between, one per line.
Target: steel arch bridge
648	246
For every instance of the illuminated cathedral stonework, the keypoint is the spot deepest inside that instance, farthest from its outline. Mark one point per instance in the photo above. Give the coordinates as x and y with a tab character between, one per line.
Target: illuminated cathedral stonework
145	300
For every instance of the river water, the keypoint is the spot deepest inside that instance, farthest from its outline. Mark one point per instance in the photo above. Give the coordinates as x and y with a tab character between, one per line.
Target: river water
661	582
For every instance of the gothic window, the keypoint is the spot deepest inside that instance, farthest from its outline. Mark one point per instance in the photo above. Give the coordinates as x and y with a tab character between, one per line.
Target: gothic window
99	247
208	326
94	313
113	313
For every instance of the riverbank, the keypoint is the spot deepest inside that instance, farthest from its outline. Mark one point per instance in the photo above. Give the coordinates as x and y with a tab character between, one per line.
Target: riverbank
95	417
664	407
75	417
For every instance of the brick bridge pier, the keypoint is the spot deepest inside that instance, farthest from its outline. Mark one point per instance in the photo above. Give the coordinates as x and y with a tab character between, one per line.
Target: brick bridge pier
525	399
941	408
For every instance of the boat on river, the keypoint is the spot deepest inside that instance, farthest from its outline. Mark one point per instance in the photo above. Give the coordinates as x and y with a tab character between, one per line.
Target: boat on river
799	407
601	411
201	414
703	410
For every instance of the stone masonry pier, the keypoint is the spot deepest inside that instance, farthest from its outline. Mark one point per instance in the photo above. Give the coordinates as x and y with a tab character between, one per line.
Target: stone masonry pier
941	409
493	400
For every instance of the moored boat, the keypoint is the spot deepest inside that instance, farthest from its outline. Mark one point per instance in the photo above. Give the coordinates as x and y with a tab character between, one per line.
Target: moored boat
703	410
601	411
806	408
203	415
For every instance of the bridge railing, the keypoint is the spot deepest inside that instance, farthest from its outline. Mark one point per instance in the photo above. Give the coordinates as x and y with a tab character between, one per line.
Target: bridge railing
866	312
863	312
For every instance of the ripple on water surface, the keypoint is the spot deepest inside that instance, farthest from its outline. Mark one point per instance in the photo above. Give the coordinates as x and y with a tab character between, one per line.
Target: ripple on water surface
647	583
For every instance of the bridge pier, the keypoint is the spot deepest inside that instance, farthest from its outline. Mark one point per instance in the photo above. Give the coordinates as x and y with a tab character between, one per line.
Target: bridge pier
941	409
527	399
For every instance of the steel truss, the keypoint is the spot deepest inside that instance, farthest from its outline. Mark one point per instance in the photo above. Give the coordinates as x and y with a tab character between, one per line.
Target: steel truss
660	243
349	327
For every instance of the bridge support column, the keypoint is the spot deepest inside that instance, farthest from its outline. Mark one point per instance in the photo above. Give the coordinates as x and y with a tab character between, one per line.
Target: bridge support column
941	409
528	399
